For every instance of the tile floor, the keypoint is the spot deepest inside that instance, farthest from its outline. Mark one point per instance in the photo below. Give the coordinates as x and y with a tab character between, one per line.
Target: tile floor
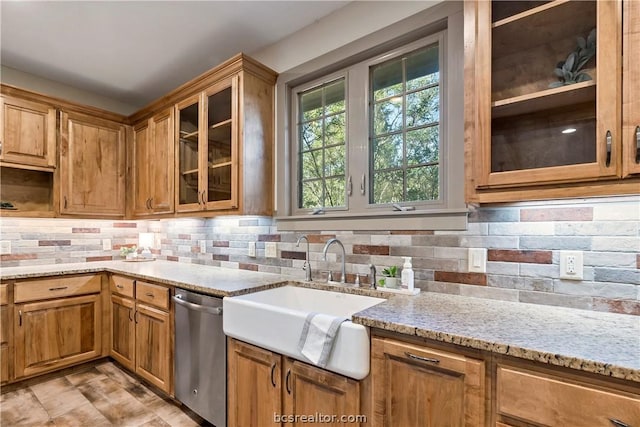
102	395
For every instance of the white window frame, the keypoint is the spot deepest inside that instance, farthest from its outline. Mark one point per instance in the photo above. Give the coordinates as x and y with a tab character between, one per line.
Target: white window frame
449	212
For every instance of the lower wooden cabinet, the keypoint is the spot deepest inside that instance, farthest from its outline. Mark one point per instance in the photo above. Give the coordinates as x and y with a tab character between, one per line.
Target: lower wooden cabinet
141	330
540	399
5	333
267	389
418	386
56	333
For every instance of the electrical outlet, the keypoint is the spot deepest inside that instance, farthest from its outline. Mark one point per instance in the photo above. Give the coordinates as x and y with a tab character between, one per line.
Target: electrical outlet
252	249
106	244
270	249
571	265
5	247
478	260
203	246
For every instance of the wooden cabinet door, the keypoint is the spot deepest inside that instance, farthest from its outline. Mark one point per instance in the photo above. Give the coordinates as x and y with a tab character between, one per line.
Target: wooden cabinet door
310	390
5	332
417	386
631	88
153	349
189	134
92	166
57	333
28	133
162	163
123	331
140	165
254	385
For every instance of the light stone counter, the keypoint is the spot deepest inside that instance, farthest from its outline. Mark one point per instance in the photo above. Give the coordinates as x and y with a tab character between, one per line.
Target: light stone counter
601	343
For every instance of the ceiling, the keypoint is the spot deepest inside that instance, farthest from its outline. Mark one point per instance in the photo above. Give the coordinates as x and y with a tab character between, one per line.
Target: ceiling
137	51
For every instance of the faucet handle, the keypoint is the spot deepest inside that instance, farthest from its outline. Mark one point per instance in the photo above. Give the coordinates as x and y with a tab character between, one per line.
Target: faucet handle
329	276
357	281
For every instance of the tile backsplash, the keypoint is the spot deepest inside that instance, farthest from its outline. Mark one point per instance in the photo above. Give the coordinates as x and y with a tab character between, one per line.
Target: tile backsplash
523	242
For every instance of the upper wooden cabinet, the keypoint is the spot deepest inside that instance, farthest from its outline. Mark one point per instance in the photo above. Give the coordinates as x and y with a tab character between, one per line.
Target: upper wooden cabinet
631	88
92	166
534	131
28	133
152	164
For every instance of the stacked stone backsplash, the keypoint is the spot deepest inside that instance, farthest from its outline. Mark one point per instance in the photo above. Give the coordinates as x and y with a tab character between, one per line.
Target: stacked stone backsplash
523	244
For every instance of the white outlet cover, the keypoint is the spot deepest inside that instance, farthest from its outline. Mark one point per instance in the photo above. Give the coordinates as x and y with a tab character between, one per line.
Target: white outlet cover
270	249
571	265
106	244
252	249
5	247
477	260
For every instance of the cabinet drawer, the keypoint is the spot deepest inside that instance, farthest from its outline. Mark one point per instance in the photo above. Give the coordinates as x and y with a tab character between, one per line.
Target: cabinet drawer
56	288
550	401
155	295
122	285
4	294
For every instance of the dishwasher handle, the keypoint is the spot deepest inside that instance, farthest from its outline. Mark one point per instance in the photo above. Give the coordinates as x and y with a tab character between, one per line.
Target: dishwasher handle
212	310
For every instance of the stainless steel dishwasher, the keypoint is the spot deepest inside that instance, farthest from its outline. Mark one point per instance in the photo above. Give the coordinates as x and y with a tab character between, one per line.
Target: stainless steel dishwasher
200	355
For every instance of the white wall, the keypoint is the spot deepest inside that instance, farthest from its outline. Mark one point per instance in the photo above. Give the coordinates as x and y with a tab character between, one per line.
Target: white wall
357	19
27	81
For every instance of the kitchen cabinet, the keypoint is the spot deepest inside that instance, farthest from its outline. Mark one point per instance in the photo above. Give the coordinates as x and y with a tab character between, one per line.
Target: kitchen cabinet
560	401
631	88
5	333
28	133
141	330
224	142
57	323
527	135
152	164
415	385
263	384
92	166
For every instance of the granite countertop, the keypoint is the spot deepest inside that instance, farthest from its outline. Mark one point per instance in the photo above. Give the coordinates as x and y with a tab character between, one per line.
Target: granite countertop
603	343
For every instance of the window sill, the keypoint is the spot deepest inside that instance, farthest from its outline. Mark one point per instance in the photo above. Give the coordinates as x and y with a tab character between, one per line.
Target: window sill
441	219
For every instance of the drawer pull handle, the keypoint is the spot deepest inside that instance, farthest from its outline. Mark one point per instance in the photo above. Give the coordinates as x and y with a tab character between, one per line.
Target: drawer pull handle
618	423
61	288
149	294
130	318
287	381
421	359
119	286
135	316
273	370
20	315
609	143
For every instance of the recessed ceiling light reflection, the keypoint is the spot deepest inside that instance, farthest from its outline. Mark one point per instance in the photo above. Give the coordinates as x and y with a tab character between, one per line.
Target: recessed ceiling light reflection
569	130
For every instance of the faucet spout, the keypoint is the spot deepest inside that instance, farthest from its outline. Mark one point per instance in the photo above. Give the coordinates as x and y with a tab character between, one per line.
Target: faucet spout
307	262
343	279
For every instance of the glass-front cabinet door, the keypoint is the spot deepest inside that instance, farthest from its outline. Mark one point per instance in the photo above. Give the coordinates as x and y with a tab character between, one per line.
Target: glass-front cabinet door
188	175
221	146
554	86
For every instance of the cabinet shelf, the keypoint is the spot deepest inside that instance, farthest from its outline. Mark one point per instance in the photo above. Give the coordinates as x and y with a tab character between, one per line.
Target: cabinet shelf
529	13
186	135
190	172
219	165
545	100
220	124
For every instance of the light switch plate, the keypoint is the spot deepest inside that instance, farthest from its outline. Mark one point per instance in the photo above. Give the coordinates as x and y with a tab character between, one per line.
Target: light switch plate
477	260
5	247
252	249
571	265
270	249
106	244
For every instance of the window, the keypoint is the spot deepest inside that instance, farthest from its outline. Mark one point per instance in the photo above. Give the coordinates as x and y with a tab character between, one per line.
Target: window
376	133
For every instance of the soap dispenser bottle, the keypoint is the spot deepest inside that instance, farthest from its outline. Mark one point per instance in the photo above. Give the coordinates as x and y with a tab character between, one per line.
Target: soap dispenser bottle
407	274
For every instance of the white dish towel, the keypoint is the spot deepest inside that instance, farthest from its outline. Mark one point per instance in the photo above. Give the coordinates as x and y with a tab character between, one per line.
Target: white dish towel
317	337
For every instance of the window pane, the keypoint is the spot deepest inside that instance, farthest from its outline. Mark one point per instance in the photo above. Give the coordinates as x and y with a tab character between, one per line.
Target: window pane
311	105
335	129
387	187
311	135
422	146
335	192
422	183
388	116
387	80
387	152
334	159
311	196
423	107
423	68
334	97
312	164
